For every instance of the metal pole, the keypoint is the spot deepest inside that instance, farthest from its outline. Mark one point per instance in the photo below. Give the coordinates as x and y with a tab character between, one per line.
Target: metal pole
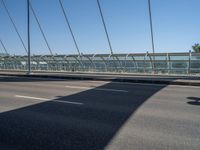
28	32
189	63
152	36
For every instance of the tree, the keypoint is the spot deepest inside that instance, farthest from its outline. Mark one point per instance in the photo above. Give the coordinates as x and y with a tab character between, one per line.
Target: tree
196	48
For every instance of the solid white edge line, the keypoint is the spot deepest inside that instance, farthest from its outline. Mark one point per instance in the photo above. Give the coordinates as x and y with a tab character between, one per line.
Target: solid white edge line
96	88
47	100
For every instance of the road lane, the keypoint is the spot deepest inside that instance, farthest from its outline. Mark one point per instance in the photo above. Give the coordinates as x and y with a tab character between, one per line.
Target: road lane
145	117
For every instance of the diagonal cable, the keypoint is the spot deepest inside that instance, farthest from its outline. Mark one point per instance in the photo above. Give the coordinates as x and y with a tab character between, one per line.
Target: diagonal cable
4	48
69	26
104	24
40	27
14	25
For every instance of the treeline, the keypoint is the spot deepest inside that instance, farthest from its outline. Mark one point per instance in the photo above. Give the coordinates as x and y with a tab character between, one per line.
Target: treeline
196	48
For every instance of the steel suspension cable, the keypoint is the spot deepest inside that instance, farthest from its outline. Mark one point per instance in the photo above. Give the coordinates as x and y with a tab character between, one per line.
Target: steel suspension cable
151	26
14	25
104	24
1	51
40	27
152	33
69	26
4	48
28	37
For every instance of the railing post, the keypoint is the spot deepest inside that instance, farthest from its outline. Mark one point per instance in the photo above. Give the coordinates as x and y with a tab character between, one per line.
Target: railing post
168	63
145	61
189	63
152	63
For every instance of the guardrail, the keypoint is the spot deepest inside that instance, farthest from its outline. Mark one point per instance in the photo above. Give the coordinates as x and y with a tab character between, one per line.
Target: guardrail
159	63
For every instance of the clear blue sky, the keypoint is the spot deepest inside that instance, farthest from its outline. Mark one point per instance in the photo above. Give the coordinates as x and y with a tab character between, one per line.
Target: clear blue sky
176	26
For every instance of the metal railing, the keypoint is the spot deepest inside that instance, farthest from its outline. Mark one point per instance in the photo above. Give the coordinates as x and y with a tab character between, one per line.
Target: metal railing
159	63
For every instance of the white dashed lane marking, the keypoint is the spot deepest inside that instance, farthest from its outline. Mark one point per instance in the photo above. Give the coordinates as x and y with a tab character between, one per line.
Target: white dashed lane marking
47	100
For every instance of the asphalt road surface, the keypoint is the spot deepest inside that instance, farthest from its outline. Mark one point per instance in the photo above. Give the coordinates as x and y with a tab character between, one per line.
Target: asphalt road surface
50	114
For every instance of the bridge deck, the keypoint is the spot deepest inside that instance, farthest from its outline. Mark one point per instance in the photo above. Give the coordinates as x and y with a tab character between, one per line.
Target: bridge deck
38	113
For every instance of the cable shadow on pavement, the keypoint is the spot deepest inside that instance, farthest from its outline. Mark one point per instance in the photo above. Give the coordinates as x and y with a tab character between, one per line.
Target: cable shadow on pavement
60	126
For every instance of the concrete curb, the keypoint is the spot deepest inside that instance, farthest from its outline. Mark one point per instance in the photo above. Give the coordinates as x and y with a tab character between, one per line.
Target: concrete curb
110	78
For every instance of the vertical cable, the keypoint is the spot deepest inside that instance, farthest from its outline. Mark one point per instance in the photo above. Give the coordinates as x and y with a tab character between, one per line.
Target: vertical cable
69	26
14	25
28	36
104	24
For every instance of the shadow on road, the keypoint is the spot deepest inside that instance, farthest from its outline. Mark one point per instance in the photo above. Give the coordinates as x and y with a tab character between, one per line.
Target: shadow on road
59	126
195	101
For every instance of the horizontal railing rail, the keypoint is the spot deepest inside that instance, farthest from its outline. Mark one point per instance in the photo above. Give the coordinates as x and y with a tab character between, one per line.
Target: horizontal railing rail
163	63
